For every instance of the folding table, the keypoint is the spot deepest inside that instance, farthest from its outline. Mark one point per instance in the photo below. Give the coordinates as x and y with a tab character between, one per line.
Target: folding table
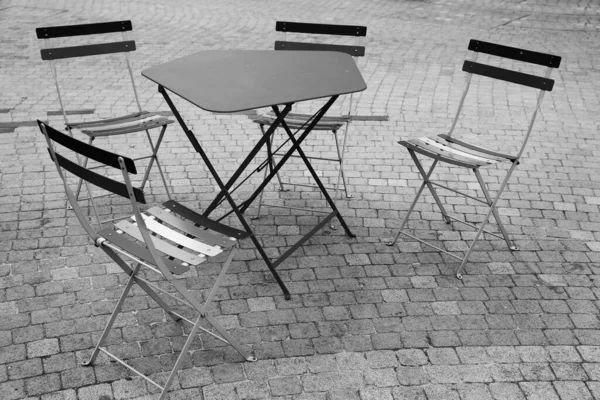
227	81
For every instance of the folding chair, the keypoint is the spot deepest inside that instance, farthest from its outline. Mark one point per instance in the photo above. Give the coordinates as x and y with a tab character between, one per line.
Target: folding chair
447	149
140	121
298	120
164	240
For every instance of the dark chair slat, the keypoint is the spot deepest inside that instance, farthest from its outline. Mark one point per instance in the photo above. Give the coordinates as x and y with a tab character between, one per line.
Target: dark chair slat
514	53
356	51
86	150
103	182
519	78
202	234
321	29
50	32
58	53
201	220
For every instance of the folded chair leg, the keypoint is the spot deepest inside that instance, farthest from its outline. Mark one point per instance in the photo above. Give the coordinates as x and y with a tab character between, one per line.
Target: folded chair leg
414	202
405	220
341	174
154	158
141	283
225	336
486	193
485	220
270	155
181	357
114	315
426	179
219	280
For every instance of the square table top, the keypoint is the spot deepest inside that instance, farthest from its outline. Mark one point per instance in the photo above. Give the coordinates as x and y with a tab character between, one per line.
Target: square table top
226	81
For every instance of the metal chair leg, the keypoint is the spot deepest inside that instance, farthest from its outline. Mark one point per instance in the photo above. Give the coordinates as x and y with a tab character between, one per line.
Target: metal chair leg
154	158
486	193
341	173
113	316
485	220
414	202
426	179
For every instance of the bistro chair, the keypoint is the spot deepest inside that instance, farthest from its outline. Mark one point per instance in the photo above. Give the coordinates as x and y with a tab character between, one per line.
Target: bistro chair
164	241
446	148
296	121
139	121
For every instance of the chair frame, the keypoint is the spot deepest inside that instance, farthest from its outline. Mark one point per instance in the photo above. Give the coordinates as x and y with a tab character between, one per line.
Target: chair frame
299	121
121	250
456	152
135	122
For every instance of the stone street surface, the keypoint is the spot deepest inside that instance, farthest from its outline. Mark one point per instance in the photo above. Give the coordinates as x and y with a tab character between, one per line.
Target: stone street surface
365	321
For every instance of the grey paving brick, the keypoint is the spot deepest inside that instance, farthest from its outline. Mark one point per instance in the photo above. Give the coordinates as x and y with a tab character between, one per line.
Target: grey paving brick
538	390
38	385
506	391
412	376
537	372
572	390
25	369
12	390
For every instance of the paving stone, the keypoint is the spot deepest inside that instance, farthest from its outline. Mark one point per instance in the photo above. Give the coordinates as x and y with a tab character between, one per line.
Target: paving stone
442	356
25	369
42	348
195	377
374	393
128	389
78	377
506	391
285	386
382	359
382	377
589	353
439	392
537	372
68	394
572	390
228	373
12	390
538	390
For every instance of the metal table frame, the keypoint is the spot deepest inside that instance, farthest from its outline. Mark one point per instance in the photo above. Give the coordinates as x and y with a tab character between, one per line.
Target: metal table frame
281	111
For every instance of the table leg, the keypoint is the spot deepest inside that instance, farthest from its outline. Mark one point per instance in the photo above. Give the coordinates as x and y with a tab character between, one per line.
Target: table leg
192	138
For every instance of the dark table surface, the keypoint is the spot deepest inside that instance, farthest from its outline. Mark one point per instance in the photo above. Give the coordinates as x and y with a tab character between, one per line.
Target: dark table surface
237	80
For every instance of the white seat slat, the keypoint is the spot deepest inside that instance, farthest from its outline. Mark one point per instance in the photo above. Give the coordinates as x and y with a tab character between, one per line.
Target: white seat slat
121	124
167	248
182	240
449	149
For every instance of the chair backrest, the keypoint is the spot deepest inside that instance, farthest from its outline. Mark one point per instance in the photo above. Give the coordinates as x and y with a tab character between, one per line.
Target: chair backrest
355	50
541	83
51	54
75	148
126	165
321	29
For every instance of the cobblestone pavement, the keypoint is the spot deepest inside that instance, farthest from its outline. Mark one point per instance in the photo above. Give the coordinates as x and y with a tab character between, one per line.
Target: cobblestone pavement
365	321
